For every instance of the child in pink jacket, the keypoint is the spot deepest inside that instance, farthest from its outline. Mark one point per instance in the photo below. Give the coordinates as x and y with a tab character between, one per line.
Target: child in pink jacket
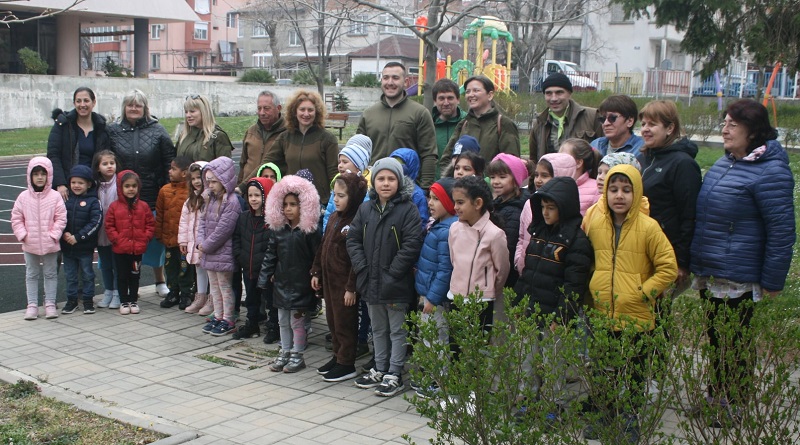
38	220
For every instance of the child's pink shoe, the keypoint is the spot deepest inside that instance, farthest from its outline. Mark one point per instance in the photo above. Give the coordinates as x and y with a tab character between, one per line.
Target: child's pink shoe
32	312
50	311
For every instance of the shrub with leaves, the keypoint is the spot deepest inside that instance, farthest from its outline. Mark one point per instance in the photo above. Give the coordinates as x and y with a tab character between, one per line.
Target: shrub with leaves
32	61
365	80
257	76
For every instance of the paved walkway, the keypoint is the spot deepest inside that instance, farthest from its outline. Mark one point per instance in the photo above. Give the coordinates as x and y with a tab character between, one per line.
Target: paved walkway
144	369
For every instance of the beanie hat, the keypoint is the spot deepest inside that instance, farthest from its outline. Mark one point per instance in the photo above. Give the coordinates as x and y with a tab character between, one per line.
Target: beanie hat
443	190
305	174
358	149
466	143
391	164
619	158
557	80
516	165
83	172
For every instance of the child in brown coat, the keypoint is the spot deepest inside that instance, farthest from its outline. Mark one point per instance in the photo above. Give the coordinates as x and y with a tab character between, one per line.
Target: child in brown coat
171	197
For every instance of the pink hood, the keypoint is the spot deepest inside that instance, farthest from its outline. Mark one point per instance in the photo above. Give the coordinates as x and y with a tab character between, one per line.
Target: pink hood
563	164
306	194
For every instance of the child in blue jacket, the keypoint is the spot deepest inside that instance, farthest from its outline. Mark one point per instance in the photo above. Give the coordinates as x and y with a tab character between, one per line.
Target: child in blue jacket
410	160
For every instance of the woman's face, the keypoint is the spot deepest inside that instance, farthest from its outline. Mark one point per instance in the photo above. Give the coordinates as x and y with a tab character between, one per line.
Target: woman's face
735	137
478	99
83	104
655	133
306	114
194	118
133	112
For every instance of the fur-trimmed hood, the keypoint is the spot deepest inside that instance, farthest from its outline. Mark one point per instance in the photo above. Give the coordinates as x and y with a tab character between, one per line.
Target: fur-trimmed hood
405	193
306	194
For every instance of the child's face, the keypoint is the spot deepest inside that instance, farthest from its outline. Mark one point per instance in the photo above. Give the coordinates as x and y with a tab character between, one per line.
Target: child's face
386	185
107	167
346	164
78	186
340	196
620	197
549	212
503	185
254	198
291	209
541	176
436	208
130	188
39	179
213	184
468	210
176	174
602	170
463	168
270	174
197	181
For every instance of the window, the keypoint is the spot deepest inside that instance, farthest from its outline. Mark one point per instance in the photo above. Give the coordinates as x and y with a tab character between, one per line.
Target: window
201	31
155	62
294	38
233	20
617	14
358	27
201	7
259	29
155	32
566	49
390	25
260	60
102	29
191	62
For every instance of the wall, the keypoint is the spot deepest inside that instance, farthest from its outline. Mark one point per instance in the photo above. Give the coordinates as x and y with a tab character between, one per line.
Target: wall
28	100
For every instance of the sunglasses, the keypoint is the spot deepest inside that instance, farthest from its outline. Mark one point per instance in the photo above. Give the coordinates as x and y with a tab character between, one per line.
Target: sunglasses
610	117
197	96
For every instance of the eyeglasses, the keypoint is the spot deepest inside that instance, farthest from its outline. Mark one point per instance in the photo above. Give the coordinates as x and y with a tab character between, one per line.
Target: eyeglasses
730	124
610	117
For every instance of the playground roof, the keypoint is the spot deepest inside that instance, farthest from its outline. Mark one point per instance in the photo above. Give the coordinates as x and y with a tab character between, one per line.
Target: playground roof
405	47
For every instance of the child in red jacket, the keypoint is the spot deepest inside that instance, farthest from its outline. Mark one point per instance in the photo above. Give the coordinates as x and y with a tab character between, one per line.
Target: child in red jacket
129	226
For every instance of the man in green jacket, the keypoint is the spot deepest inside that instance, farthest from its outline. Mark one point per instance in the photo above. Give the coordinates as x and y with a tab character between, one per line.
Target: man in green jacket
398	122
260	136
446	113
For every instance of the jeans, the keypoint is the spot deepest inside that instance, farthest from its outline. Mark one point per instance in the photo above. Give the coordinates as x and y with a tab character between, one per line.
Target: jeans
108	271
294	336
78	271
389	336
48	268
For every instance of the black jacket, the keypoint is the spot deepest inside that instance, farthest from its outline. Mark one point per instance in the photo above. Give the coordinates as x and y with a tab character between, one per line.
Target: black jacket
672	180
146	149
384	245
559	257
250	238
62	144
289	256
509	212
84	220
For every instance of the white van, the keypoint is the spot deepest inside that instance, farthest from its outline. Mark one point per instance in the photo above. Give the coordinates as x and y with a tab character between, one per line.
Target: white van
571	70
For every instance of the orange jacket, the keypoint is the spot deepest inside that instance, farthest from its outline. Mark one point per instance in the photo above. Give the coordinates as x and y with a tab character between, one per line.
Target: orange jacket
170	201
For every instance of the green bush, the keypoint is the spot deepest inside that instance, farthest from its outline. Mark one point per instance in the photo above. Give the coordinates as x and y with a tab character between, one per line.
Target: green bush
365	80
257	76
32	61
304	77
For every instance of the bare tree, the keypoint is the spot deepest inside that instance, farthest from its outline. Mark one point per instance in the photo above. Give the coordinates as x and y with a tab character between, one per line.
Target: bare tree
267	15
8	17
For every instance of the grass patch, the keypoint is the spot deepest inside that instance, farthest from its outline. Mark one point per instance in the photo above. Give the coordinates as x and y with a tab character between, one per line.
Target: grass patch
217	360
27	418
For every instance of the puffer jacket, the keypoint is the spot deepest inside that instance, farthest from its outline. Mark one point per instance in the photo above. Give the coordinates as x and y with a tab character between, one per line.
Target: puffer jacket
384	245
290	251
495	134
745	219
252	232
218	218
672	180
106	193
147	149
559	258
587	187
193	147
38	218
187	229
129	224
255	145
434	267
630	272
168	212
410	161
84	219
62	144
481	259
581	122
510	212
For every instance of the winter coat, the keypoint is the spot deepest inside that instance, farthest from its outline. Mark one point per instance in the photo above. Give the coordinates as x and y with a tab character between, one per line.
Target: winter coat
495	134
290	251
434	267
746	219
410	162
480	260
38	218
218	218
84	219
330	208
445	130
168	212
106	194
406	124
193	147
146	148
581	122
187	233
255	146
384	245
631	272
672	180
129	225
559	258
252	233
62	144
510	211
587	188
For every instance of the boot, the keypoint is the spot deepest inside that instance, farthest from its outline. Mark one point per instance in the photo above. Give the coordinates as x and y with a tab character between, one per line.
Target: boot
108	295
280	362
272	334
296	363
172	299
197	304
249	330
186	300
114	300
207	308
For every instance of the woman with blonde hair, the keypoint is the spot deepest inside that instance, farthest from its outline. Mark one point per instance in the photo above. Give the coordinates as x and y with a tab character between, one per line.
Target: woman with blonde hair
306	144
201	139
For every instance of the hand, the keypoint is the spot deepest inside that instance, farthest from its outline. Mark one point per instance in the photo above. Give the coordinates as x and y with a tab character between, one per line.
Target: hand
184	249
64	192
199	247
349	298
237	190
315	283
428	307
683	275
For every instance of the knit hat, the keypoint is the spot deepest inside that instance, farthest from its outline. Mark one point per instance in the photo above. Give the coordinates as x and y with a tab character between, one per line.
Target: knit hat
443	190
358	149
557	80
619	158
516	165
305	174
466	143
391	164
83	172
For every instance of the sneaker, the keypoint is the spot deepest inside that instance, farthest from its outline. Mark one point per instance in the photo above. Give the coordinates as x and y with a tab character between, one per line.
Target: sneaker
249	330
108	295
134	308
172	299
70	307
370	380
88	307
324	369
391	385
32	312
210	326
369	365
114	301
280	362
427	393
162	290
272	336
318	310
340	373
223	328
50	311
296	363
362	350
125	309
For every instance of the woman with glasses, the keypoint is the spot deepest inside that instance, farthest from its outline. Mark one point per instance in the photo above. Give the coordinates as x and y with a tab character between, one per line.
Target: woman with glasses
495	132
201	139
617	115
743	239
